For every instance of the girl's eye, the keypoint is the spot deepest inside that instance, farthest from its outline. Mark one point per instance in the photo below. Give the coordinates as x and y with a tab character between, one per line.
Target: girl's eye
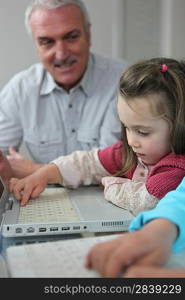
143	133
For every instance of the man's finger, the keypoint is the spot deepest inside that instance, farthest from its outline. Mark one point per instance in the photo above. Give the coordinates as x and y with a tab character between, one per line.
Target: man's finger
13	152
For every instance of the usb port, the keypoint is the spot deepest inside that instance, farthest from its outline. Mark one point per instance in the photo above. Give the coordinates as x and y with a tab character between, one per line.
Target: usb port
54	229
18	230
76	227
42	229
30	229
65	228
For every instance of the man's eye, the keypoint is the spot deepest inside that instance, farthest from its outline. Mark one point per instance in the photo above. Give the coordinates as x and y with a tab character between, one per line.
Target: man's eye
45	42
73	37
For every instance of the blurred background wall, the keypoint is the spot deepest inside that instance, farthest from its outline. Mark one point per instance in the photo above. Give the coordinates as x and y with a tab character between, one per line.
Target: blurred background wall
132	29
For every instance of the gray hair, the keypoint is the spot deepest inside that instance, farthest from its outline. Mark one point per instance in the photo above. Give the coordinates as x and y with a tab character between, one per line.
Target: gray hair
52	4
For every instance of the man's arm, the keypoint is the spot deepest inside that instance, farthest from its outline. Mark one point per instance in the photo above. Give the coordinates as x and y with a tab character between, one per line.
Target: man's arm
10	124
6	171
20	165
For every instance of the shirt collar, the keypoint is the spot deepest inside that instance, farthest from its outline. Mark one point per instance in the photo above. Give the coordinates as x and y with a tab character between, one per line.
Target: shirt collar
86	82
141	163
48	84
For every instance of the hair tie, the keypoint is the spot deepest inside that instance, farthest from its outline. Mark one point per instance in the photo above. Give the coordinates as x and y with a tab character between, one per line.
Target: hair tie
164	68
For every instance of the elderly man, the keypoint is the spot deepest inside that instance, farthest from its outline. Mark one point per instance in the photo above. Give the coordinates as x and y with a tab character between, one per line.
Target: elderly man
68	101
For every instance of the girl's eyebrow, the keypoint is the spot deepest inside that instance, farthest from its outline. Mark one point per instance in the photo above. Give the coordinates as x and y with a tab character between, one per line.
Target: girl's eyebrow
138	126
141	126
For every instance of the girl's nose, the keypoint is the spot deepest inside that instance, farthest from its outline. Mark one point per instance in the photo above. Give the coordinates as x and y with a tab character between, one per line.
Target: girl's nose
133	141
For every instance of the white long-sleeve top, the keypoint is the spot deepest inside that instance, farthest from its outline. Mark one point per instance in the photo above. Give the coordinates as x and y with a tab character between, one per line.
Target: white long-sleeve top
85	168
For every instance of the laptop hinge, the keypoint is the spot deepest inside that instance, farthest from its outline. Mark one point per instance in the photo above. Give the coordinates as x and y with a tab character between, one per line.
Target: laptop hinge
9	204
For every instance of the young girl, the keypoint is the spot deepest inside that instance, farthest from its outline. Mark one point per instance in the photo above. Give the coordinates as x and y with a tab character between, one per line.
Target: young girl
150	159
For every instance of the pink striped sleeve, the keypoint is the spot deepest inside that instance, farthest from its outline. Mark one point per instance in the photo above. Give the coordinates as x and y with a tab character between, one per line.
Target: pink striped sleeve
111	157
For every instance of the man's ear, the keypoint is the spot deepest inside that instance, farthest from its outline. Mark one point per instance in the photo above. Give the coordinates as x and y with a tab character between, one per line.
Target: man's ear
89	35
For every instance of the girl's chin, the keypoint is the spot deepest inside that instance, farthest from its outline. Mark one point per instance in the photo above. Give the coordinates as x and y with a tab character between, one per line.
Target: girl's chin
146	161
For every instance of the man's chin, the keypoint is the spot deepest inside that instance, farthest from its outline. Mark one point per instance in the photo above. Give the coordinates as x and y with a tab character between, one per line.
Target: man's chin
66	83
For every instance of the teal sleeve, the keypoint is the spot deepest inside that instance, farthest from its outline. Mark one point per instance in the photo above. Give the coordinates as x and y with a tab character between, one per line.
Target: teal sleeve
172	208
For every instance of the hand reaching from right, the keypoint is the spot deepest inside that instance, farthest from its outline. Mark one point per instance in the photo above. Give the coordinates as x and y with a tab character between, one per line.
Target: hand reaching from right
148	247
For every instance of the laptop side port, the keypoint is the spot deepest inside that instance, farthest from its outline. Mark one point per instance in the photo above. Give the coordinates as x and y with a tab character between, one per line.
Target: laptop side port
30	229
54	229
76	227
18	230
66	228
42	229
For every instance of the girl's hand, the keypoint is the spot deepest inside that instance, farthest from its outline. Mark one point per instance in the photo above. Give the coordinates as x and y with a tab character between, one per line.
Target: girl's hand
31	186
28	187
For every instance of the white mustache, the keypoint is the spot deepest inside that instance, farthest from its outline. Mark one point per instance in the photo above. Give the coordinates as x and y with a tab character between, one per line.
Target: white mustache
64	62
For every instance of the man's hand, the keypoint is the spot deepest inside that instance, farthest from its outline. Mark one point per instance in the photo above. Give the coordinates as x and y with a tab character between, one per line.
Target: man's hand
20	165
6	171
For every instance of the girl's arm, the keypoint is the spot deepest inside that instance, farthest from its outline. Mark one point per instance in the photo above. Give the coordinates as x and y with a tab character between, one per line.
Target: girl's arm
128	194
78	168
81	168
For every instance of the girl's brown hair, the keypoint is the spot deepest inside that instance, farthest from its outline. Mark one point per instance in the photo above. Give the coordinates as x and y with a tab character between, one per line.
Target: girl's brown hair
166	78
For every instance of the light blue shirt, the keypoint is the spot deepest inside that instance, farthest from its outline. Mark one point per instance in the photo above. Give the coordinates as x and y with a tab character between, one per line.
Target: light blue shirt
52	122
172	208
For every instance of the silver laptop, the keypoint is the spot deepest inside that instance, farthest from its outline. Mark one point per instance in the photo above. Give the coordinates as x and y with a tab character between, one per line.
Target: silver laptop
57	213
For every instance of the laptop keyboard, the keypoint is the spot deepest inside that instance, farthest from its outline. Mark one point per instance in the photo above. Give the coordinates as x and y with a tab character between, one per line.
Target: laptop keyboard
53	205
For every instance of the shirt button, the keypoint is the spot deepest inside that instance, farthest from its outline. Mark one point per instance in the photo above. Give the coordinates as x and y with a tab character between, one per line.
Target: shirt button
70	106
142	174
73	130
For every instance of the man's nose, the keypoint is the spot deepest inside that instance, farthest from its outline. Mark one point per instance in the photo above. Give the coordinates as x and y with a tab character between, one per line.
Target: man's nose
61	51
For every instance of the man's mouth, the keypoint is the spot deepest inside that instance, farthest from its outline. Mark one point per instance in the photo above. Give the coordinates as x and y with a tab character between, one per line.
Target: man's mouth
67	63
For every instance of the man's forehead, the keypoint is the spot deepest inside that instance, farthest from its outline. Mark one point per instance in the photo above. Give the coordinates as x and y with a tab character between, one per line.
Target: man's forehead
66	15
